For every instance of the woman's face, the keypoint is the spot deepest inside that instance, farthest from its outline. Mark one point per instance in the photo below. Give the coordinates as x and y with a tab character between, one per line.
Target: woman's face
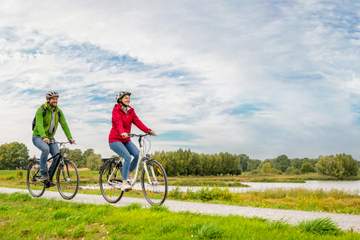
126	100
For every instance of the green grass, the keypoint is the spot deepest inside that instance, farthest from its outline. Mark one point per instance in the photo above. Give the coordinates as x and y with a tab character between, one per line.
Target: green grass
300	199
320	226
22	217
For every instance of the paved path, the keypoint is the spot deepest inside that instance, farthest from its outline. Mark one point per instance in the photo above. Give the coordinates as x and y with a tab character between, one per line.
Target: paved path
345	221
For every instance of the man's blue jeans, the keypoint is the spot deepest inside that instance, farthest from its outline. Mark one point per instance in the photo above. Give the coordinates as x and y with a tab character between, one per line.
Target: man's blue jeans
45	150
126	150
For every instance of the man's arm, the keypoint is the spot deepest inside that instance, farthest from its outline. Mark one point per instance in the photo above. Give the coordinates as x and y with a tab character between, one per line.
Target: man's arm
64	125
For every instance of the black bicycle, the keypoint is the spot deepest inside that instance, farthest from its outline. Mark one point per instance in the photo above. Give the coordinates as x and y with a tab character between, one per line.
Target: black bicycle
153	176
67	177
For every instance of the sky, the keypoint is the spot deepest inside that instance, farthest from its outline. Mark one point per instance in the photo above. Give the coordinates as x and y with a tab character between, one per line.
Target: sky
262	78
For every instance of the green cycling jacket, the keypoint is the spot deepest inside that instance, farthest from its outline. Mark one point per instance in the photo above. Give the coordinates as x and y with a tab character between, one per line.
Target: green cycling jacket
43	121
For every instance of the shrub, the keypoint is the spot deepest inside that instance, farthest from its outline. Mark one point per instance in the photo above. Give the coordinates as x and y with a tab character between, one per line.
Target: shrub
339	166
320	226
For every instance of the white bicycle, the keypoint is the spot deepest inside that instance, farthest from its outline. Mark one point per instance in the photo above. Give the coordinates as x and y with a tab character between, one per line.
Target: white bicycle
153	177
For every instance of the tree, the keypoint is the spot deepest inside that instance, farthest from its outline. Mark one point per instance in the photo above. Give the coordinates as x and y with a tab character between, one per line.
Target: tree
253	164
339	166
266	168
75	155
244	162
292	170
85	156
281	163
13	155
306	167
93	161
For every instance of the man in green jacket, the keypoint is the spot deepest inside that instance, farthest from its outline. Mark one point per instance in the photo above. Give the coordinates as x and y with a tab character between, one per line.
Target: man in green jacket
45	124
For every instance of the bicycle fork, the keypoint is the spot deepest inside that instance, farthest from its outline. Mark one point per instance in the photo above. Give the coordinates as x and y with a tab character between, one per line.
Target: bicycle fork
65	166
148	175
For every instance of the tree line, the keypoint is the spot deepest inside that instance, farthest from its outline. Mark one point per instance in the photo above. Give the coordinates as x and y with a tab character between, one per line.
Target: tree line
184	162
15	155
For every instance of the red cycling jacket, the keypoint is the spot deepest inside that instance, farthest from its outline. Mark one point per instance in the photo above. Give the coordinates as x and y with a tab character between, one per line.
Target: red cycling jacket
121	123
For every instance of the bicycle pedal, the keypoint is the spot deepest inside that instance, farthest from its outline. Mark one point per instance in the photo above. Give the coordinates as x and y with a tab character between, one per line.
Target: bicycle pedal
49	184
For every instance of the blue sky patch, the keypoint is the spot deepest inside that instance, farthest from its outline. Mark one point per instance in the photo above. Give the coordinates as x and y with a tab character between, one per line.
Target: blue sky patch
175	136
246	109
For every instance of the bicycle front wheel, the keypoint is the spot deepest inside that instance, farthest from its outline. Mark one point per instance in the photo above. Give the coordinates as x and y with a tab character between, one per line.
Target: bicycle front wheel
154	182
35	187
67	180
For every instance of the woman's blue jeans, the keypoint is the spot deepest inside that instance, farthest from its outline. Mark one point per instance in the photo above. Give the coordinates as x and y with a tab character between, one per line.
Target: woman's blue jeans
126	150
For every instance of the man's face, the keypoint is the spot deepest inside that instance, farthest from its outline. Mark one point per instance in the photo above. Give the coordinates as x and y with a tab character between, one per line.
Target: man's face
53	101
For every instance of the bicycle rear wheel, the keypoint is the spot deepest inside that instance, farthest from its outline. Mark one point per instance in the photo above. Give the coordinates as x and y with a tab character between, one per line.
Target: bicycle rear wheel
154	182
67	180
110	181
35	187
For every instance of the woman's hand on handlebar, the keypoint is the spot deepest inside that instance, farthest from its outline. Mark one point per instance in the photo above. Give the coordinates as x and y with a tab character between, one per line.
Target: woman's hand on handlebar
152	133
124	135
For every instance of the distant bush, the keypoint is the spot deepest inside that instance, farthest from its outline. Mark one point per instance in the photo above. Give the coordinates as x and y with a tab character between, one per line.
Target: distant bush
339	166
292	170
307	167
267	168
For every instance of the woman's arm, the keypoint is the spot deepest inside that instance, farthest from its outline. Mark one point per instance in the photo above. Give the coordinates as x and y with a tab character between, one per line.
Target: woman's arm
140	124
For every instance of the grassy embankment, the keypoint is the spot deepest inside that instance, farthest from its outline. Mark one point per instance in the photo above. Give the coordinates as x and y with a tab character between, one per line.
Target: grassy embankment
22	217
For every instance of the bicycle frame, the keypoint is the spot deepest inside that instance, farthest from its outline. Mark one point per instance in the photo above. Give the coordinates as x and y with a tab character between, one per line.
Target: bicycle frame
57	160
143	157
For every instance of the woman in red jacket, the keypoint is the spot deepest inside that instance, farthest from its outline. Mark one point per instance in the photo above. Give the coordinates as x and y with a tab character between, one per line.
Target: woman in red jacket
123	115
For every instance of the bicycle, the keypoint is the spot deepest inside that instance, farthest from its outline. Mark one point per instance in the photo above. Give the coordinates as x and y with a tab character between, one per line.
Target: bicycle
67	177
153	178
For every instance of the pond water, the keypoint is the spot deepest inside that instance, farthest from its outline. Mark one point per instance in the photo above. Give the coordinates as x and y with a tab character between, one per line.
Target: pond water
346	186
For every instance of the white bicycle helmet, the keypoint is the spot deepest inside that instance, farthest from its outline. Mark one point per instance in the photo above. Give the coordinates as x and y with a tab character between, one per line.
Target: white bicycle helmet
51	94
121	95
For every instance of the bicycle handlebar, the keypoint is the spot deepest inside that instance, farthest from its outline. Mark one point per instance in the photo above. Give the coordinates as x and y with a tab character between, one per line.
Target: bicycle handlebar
138	135
60	143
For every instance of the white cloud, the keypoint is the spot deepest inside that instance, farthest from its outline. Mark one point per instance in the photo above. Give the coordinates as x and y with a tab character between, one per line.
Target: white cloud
297	58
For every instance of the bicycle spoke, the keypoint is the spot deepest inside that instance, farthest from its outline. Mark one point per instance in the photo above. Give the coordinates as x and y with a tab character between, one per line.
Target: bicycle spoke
110	181
67	180
35	187
154	182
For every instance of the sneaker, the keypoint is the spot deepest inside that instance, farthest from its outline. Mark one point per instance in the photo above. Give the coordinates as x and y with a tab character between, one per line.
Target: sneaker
43	178
49	184
116	183
126	186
